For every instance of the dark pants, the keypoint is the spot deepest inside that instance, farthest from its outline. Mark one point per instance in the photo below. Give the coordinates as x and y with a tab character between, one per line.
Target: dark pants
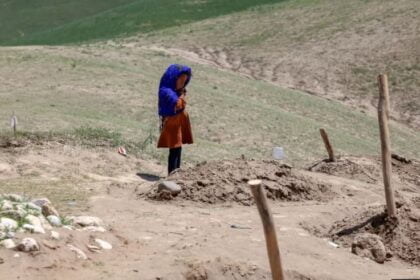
174	159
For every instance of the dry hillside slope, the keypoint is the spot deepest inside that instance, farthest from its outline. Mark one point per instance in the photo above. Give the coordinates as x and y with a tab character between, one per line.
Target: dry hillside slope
330	48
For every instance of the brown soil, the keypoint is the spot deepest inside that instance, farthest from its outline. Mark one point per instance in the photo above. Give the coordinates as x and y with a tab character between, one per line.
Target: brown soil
226	181
406	172
400	235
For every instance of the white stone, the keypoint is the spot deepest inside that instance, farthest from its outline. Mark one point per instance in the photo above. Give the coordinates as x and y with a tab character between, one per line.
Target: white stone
13	197
8	243
7	205
55	235
16	255
103	244
68	227
34	220
54	221
170	186
45	224
93	229
28	245
79	253
33	206
34	229
41	201
8	224
86	221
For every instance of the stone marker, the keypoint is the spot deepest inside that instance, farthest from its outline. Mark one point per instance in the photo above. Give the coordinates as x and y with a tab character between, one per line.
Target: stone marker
170	186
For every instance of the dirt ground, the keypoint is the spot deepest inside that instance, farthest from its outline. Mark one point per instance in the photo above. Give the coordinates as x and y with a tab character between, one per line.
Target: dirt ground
182	238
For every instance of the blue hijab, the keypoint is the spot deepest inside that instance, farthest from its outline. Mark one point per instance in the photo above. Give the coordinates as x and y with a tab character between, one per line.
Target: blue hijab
168	97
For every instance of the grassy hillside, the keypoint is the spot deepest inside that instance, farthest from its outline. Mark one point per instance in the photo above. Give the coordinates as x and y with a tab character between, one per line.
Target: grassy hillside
47	22
20	19
105	88
330	48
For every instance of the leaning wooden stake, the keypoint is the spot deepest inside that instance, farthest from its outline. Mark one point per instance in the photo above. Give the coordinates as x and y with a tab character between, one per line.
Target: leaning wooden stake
269	230
383	115
327	144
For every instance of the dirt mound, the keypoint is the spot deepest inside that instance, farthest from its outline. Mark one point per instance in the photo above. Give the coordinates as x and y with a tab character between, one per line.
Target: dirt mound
348	168
400	236
369	169
222	268
226	181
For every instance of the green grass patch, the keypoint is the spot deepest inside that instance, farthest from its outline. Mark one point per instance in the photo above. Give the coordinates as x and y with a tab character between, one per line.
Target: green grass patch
52	24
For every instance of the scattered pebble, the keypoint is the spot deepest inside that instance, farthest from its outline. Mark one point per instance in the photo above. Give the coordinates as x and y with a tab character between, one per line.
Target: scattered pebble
103	244
93	229
55	235
85	221
79	253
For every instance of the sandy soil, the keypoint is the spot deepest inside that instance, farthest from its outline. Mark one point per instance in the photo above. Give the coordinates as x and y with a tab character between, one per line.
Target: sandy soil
184	239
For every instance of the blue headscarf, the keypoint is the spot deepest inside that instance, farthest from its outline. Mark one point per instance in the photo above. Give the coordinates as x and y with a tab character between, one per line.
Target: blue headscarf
168	97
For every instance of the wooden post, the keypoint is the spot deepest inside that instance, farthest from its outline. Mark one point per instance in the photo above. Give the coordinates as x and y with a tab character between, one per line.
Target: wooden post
269	230
383	115
327	144
13	123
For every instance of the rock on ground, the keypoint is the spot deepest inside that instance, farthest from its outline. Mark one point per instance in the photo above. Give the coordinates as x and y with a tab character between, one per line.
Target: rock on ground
79	253
170	186
85	221
28	245
8	243
55	235
54	220
370	246
48	210
8	224
41	201
103	244
33	220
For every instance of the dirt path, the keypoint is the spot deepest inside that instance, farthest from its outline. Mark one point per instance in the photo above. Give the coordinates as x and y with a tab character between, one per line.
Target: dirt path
186	240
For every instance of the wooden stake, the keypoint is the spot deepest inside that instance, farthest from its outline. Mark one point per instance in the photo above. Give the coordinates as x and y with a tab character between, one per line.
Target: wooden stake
269	230
327	144
383	115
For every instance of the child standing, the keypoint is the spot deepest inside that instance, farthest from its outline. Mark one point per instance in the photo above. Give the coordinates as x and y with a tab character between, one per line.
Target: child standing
175	122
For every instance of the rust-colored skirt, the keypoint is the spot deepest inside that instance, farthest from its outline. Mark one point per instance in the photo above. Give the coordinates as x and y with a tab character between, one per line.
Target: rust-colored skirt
176	131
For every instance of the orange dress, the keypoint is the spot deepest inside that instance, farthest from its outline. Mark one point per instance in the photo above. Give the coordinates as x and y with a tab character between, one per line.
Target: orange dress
176	129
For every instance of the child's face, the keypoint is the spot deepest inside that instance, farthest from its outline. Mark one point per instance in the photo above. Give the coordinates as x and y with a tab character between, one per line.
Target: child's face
180	83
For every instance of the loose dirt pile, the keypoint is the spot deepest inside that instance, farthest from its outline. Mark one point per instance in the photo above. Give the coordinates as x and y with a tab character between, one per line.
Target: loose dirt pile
226	181
407	171
222	268
348	168
401	236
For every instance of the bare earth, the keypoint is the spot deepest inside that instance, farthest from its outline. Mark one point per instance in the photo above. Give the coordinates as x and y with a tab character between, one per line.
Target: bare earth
181	238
